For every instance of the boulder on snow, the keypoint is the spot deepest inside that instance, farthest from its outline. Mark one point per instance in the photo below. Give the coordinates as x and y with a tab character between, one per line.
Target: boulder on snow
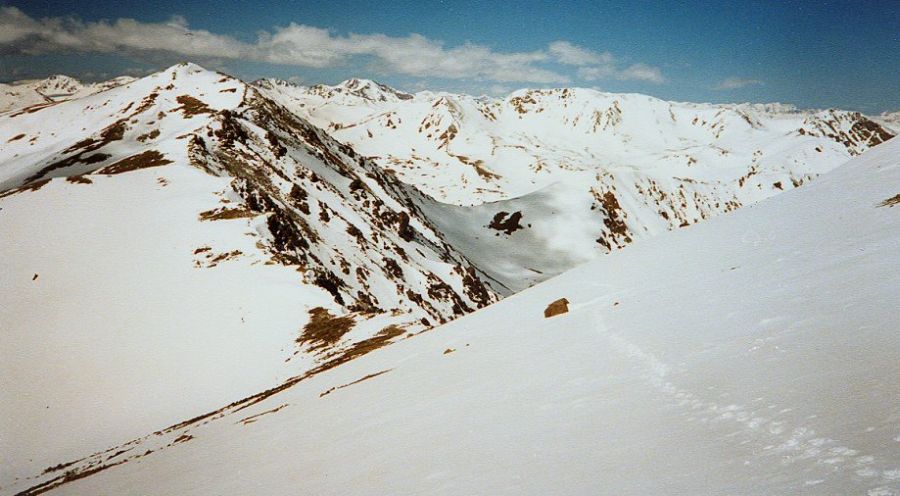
558	307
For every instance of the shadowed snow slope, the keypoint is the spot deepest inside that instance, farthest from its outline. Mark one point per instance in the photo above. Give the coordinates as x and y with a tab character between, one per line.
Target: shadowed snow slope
757	353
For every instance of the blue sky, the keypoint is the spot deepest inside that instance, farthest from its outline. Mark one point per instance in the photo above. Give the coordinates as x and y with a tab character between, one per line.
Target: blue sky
812	54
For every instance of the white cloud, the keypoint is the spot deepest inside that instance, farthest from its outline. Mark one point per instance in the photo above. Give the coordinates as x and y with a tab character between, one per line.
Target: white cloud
569	54
734	83
309	46
596	72
634	72
642	72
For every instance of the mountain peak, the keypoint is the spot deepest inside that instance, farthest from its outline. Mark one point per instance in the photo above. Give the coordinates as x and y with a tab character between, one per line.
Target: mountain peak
58	85
370	90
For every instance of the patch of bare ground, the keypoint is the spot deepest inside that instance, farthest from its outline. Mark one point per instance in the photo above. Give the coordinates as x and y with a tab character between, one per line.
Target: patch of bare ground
16	138
148	136
144	160
558	307
365	346
32	186
890	202
225	213
361	379
70	161
80	179
34	108
324	330
479	167
210	259
146	103
254	418
191	106
183	438
502	223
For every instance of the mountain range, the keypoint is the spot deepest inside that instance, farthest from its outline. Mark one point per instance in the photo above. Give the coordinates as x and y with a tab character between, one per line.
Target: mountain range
193	251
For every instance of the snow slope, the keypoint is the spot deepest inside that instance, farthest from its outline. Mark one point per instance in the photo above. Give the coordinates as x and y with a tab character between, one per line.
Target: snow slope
113	326
178	242
756	353
587	171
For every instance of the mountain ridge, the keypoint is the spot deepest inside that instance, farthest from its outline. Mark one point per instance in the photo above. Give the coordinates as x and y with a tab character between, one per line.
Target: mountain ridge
630	165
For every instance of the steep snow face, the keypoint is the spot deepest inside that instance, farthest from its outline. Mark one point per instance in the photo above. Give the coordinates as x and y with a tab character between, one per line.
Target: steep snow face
617	167
180	241
33	94
756	353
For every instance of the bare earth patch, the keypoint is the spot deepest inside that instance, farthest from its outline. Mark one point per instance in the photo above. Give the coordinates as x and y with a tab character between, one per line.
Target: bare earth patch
324	330
209	259
890	202
365	378
254	418
509	225
81	179
192	106
32	186
150	158
225	213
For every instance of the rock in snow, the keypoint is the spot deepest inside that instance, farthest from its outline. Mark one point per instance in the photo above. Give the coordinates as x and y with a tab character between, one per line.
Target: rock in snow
558	307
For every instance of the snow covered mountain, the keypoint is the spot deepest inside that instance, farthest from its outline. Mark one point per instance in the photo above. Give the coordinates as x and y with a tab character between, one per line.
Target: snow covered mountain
890	121
575	172
174	243
184	218
756	353
34	94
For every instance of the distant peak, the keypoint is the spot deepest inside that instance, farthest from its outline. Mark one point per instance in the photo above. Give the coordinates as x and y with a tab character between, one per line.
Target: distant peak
370	90
58	84
275	82
354	83
60	77
185	68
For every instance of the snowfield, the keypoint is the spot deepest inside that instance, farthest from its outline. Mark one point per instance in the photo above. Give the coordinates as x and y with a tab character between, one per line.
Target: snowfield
115	326
756	353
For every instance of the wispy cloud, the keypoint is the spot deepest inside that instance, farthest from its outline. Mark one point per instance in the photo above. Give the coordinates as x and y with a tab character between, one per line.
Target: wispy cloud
734	83
308	46
642	72
636	72
569	54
